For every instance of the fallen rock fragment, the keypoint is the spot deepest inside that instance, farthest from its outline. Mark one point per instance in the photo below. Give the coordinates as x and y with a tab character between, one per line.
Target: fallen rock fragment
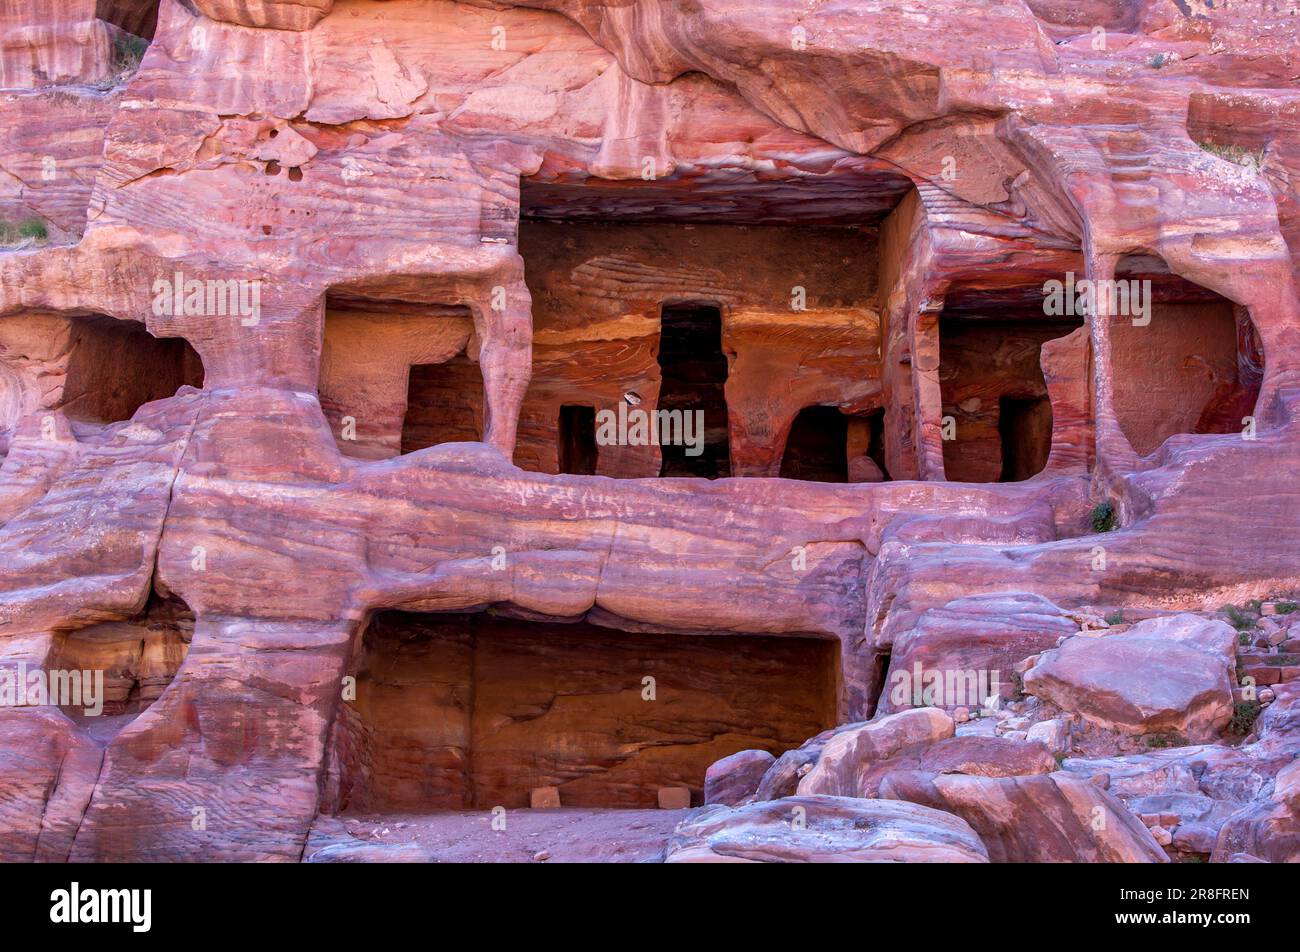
850	753
1170	674
732	780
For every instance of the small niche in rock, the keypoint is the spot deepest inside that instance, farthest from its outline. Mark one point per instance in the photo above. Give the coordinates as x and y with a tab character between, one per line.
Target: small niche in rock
1192	364
395	377
115	367
444	404
817	447
134	660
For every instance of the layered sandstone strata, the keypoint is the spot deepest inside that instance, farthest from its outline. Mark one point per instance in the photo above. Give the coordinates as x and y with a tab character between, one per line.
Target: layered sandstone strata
310	311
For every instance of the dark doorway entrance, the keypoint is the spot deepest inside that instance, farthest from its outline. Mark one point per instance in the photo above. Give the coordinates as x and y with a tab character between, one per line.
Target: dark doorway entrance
577	442
693	372
1025	426
444	404
817	447
456	711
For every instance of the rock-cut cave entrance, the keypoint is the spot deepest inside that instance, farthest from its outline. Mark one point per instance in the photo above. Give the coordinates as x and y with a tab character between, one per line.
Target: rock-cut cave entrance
994	391
444	404
817	447
1025	430
459	711
115	367
396	376
1192	364
577	440
693	380
827	445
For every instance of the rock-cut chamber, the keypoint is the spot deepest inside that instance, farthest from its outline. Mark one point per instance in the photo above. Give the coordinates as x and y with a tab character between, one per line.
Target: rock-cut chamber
461	711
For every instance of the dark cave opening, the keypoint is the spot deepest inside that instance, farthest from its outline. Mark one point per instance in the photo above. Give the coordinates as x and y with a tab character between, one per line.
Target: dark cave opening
879	674
577	440
817	447
444	404
137	17
991	367
1025	429
693	374
115	367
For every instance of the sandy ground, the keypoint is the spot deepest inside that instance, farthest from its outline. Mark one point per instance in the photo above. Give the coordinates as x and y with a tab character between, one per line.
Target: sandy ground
566	835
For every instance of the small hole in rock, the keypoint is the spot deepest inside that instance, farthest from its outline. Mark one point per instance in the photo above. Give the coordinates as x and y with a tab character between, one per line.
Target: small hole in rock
295	174
273	167
266	229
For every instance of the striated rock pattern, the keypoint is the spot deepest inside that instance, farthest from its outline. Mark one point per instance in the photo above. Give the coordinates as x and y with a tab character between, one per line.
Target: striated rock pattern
874	420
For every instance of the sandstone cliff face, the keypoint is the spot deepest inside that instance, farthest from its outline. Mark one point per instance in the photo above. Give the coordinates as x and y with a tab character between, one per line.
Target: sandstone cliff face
311	310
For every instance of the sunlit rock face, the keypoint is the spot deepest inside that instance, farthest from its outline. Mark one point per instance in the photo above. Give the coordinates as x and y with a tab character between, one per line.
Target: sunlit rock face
422	408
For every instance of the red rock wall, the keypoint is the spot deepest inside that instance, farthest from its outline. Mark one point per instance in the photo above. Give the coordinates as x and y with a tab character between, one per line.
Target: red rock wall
369	157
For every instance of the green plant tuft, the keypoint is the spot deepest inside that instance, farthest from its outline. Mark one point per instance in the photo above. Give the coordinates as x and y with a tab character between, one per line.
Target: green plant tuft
1234	154
1238	619
1161	741
27	230
128	51
1103	517
1286	608
1243	717
1115	618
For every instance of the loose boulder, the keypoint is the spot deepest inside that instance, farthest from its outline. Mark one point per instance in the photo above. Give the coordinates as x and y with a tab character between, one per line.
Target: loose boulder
732	780
978	635
1171	674
850	754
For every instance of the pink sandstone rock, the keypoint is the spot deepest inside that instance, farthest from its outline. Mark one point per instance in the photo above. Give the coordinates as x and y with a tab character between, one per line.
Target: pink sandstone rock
824	829
732	780
342	537
1038	819
851	752
1166	674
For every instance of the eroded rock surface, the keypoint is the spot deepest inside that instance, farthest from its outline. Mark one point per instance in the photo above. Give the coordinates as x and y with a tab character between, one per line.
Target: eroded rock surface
320	315
1039	819
825	829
